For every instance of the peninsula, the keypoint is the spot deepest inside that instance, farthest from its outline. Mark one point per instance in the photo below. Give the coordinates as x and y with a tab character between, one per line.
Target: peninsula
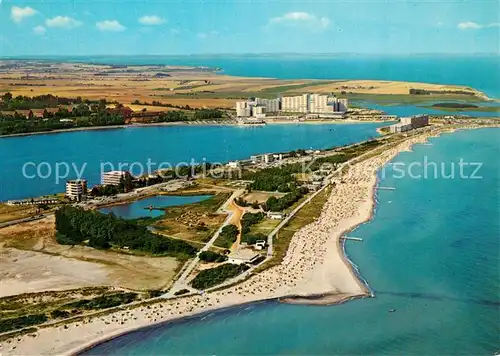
297	268
277	232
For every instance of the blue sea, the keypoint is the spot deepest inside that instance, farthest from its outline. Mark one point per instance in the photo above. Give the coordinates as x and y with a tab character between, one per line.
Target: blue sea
140	208
431	252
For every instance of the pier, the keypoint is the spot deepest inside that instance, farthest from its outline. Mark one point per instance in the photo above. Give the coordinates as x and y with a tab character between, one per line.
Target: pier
386	188
352	238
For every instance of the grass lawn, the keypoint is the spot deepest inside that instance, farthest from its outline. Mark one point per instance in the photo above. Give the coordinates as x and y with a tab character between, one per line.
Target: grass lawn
264	227
193	222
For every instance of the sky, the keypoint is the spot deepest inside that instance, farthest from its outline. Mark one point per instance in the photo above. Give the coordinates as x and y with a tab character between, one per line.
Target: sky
181	27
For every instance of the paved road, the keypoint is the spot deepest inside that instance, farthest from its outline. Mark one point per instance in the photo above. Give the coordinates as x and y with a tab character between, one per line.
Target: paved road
181	282
19	221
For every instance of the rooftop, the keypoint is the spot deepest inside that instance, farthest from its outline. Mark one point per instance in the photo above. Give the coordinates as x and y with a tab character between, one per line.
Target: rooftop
243	254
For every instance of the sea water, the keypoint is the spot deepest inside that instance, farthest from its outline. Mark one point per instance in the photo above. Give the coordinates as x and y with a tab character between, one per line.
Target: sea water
480	71
93	151
431	253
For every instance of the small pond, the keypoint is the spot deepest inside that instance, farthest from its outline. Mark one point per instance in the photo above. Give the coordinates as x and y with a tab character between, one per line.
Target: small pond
140	208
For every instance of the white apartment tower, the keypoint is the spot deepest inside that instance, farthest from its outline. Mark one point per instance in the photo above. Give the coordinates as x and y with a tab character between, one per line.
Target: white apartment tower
299	103
318	103
243	109
271	105
113	177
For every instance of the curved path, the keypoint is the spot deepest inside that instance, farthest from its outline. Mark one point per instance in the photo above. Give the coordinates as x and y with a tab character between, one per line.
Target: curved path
182	282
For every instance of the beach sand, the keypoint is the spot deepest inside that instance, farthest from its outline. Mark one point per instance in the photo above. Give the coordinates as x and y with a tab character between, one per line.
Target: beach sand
315	265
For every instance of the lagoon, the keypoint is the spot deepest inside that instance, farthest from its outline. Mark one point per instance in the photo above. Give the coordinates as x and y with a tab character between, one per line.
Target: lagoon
88	151
140	208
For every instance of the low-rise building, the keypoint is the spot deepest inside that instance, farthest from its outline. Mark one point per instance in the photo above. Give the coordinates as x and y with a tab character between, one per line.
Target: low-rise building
243	256
399	127
264	158
275	215
409	123
233	164
260	244
113	177
416	121
76	189
33	201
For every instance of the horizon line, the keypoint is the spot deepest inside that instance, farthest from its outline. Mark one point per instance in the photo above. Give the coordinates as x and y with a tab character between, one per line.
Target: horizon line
21	56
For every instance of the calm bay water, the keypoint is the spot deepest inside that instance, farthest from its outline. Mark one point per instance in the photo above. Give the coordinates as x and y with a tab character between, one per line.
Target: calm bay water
140	208
431	252
478	71
409	110
172	144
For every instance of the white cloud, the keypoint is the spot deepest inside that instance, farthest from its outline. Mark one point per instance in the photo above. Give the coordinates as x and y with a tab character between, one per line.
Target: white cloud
110	25
469	25
302	19
39	30
204	35
151	20
20	13
62	22
294	16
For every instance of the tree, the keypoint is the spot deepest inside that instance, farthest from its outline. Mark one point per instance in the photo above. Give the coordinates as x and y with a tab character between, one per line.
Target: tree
76	225
7	97
101	106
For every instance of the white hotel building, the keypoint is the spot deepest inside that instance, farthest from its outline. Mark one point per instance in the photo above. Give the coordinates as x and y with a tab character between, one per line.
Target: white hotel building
270	105
299	103
113	177
409	123
76	189
305	103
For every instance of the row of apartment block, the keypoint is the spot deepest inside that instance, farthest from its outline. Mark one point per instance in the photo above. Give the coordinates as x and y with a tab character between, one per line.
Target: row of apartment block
305	103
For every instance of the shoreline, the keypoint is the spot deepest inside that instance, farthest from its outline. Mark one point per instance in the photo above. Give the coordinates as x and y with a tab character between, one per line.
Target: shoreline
328	276
73	129
184	123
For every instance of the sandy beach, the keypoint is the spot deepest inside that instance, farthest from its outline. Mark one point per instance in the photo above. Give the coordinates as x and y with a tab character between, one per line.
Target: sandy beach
315	265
